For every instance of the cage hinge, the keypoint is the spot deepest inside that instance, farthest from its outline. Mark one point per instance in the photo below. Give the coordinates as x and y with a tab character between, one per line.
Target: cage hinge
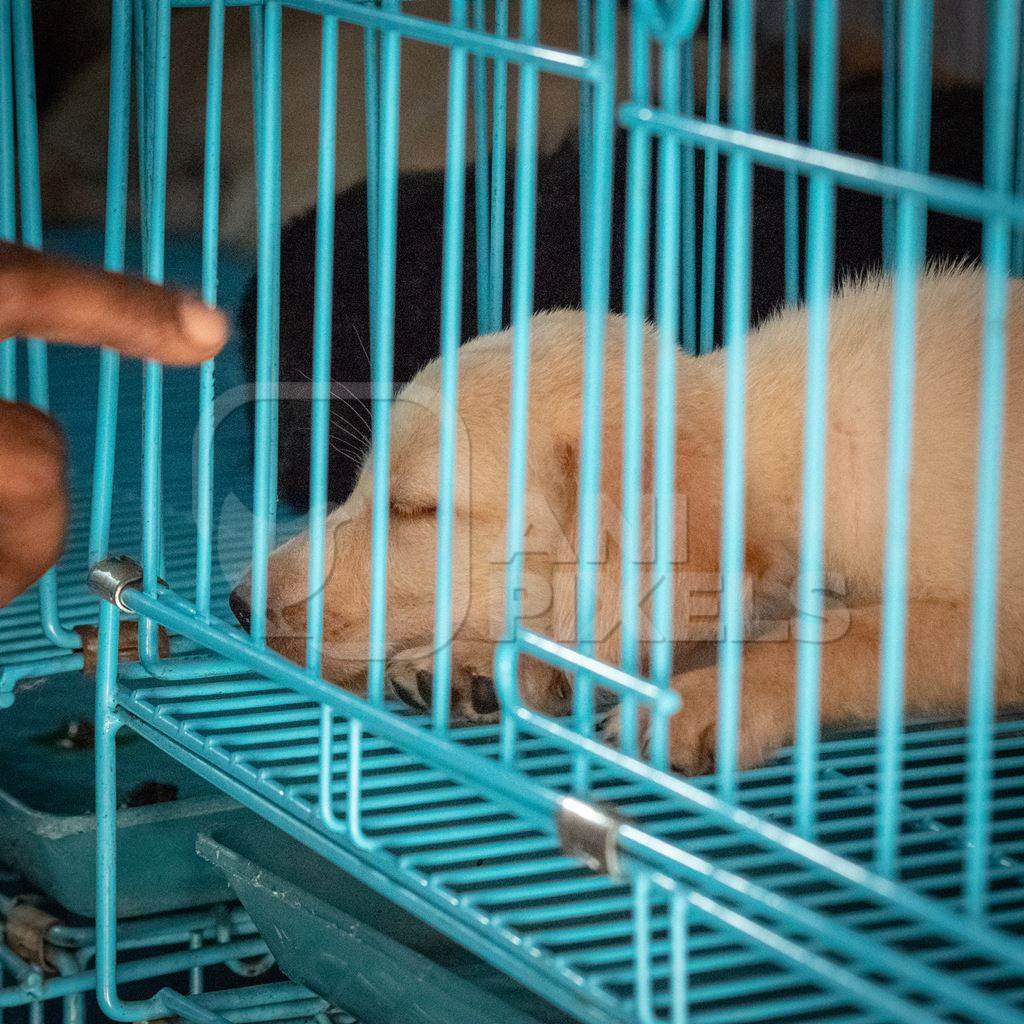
590	833
111	576
26	928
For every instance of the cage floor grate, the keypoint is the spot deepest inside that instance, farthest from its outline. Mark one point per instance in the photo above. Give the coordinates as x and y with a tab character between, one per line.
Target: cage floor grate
471	863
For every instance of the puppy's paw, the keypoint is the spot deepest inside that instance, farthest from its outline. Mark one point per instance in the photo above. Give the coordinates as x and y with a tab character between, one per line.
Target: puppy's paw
612	730
693	731
765	724
473	697
412	680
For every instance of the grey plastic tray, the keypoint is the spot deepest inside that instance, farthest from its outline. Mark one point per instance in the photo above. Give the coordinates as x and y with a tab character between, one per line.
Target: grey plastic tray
362	953
48	828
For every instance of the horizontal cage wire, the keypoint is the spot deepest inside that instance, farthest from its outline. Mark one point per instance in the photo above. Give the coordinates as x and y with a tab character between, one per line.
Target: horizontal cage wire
854	875
60	967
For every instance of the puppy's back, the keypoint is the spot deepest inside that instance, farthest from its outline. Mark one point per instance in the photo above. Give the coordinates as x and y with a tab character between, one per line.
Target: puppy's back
947	396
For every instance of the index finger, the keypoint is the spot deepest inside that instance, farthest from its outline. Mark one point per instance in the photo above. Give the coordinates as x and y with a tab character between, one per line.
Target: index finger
56	299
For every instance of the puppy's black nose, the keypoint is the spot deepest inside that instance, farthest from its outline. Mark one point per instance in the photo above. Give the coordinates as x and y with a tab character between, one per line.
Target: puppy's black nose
240	608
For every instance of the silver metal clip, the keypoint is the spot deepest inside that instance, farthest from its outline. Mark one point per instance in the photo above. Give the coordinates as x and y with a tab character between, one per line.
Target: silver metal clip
109	577
590	833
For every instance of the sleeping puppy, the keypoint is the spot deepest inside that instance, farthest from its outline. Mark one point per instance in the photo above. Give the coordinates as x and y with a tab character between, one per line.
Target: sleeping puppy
956	150
950	320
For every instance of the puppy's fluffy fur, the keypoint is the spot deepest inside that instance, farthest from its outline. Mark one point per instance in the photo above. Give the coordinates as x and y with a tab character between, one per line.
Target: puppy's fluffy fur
950	323
956	150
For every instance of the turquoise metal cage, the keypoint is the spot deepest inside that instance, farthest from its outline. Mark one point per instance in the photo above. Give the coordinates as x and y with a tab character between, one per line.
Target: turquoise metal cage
59	969
868	877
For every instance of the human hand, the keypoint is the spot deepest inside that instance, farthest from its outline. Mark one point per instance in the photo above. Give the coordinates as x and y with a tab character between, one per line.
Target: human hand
54	299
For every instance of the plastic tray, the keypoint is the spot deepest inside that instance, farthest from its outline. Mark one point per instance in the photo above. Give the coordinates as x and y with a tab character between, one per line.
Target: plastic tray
48	829
362	953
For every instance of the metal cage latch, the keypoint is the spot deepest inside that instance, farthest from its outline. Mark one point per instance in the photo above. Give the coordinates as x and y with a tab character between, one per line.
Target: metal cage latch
589	833
109	577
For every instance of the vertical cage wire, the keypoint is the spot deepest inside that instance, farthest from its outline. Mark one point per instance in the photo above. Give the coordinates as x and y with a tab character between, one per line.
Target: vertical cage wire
524	221
481	172
1003	41
268	171
495	288
371	91
141	50
890	46
914	104
30	211
113	259
107	727
643	985
737	299
688	182
679	938
8	184
667	306
709	223
382	347
211	219
596	187
320	400
157	29
791	186
652	896
820	258
451	324
195	975
585	33
638	177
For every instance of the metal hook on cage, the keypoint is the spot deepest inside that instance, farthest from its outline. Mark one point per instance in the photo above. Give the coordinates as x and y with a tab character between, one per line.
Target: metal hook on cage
671	20
354	792
351	824
649	888
506	660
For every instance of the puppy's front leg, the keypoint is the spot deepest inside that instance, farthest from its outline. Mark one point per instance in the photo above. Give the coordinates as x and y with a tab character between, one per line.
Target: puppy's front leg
935	681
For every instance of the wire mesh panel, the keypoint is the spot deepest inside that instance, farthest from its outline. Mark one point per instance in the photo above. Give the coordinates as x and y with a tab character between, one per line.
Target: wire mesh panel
418	690
46	958
36	641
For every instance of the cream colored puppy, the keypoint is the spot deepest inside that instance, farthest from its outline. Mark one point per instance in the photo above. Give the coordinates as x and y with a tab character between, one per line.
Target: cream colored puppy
942	497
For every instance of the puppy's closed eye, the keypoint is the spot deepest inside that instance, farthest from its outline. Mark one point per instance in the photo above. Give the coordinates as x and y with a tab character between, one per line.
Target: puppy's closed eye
412	509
